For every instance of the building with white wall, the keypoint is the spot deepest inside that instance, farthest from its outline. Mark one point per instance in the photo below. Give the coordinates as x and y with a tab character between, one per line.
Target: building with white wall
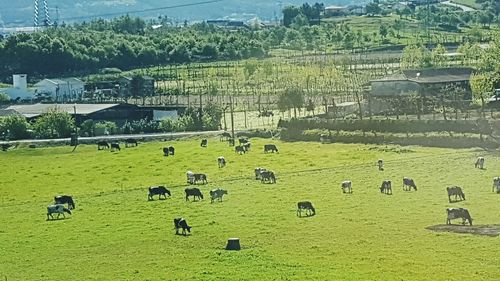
60	90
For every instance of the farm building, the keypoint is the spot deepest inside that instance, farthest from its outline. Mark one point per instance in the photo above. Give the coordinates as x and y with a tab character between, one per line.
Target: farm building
427	82
19	90
60	90
335	11
118	113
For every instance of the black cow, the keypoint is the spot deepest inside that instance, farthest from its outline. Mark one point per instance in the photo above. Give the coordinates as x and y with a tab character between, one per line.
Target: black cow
221	161
239	149
408	184
65	199
102	145
496	184
456	213
270	148
130	142
171	150
6	146
158	190
258	172
455	191
181	223
115	146
165	151
225	136
195	192
204	143
243	140
267	176
307	206
386	187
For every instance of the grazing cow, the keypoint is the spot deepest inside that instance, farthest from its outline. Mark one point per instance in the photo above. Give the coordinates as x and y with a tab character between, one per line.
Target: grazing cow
346	187
195	192
455	191
5	146
204	143
408	184
307	206
102	145
243	140
181	223
239	149
130	142
258	172
270	148
479	163
267	176
115	146
386	187
221	161
225	136
380	164
217	194
496	184
165	151
171	150
65	199
158	190
59	209
456	213
246	147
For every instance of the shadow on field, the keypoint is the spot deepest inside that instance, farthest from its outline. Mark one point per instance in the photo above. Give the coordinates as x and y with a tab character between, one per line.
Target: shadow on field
492	230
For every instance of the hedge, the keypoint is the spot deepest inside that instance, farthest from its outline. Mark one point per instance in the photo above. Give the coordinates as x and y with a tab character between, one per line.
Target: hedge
480	126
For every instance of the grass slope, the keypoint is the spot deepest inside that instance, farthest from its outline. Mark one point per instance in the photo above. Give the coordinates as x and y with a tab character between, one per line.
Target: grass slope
115	234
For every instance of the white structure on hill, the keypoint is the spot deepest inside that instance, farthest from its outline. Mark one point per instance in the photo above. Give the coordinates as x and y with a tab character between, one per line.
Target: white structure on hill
60	90
19	91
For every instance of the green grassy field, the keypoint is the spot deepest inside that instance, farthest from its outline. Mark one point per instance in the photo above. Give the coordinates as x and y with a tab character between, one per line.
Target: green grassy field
116	234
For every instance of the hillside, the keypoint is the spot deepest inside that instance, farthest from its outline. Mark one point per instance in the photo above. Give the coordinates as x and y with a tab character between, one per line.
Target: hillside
20	12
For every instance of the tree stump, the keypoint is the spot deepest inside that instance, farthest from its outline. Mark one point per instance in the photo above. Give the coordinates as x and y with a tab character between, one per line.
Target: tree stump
233	244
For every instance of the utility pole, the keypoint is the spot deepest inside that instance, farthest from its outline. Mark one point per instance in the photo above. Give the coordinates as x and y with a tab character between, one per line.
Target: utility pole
74	136
232	118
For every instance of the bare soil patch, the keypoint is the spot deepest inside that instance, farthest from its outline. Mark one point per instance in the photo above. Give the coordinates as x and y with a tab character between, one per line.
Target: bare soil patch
492	230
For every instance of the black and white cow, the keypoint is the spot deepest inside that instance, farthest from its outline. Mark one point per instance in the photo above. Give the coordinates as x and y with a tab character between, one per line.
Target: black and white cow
217	194
496	184
204	143
181	223
386	187
267	176
408	184
239	149
455	191
221	161
306	206
57	209
115	146
458	213
130	142
479	163
380	164
158	190
346	187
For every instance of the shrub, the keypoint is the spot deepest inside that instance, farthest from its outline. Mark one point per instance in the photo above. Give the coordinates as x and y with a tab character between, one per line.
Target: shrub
54	124
87	128
109	127
14	127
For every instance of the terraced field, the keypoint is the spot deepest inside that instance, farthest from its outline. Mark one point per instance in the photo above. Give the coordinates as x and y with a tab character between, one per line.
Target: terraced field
116	234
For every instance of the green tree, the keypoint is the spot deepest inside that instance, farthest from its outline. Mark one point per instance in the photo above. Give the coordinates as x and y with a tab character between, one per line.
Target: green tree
289	13
14	127
54	124
383	31
482	86
373	8
291	98
4	97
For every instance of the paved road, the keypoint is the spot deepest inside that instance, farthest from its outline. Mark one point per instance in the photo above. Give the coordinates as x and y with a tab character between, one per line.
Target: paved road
464	8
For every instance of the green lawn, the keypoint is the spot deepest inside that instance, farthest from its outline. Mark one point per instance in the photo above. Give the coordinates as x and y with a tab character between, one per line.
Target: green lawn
116	234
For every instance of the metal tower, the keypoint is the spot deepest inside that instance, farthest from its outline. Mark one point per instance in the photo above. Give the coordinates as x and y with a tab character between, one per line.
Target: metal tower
44	9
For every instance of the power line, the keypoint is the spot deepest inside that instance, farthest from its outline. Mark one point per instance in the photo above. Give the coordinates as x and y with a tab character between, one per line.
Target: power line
142	11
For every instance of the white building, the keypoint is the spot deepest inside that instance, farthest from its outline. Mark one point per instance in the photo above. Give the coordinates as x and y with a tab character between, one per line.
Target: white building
19	91
60	90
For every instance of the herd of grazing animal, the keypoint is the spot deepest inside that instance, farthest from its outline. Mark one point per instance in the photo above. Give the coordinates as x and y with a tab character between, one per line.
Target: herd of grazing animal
265	176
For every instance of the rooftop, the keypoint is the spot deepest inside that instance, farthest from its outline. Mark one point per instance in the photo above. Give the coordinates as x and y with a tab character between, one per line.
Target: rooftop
33	110
430	75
